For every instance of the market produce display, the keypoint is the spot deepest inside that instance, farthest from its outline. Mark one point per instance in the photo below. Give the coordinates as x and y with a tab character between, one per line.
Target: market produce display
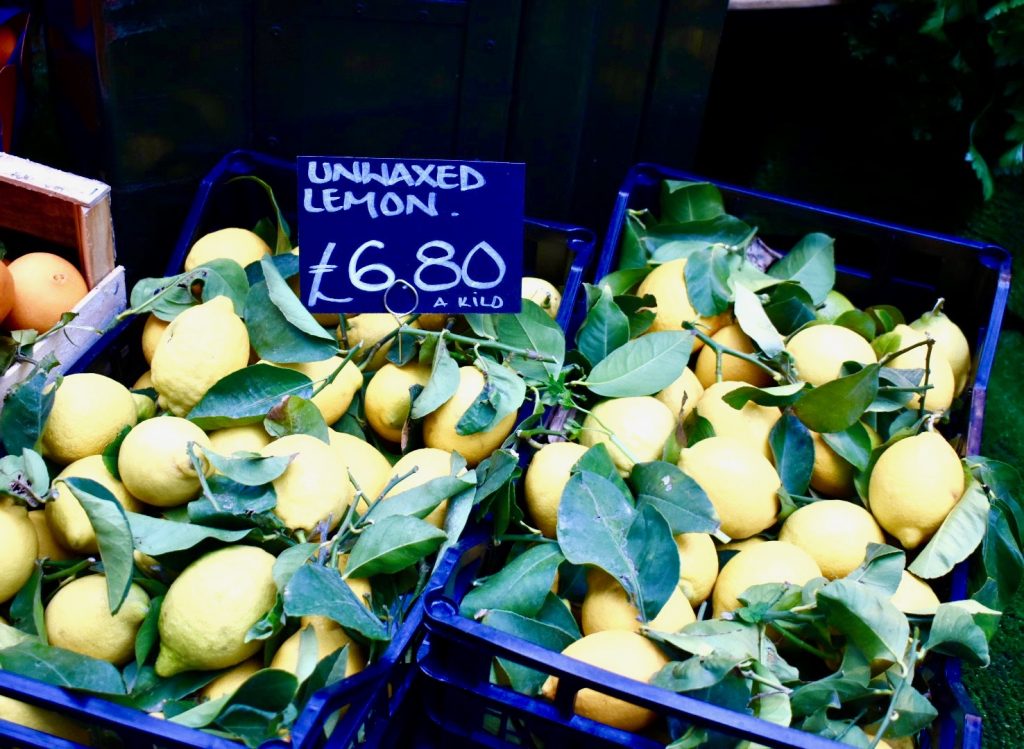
760	501
254	517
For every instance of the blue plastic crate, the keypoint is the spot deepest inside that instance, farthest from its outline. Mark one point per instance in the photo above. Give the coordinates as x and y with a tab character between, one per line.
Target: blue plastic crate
876	263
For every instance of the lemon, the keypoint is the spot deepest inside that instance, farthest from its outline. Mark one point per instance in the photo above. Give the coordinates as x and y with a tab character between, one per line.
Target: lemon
229	681
940	373
78	618
48	546
145	407
607	606
835	304
359	585
46	721
746	543
365	462
642	424
387	399
240	245
686	385
834	532
154	462
19	548
439	426
145	381
915	596
546	477
733	368
312	489
698	566
751	425
201	345
328	640
740	482
666	283
369	329
89	411
70	525
913	487
950	341
250	438
621	652
831	475
152	333
333	401
543	293
210	607
430	463
770	562
820	350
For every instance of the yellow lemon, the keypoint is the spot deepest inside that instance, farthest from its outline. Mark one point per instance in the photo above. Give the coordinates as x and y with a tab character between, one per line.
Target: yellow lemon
45	721
19	549
940	374
641	424
915	596
369	329
250	438
740	482
733	368
913	487
831	475
546	477
751	424
746	543
666	284
328	640
439	427
834	532
65	515
78	618
201	345
543	293
429	463
770	562
211	606
621	652
240	245
364	461
333	401
89	411
820	350
48	546
229	682
152	332
154	463
686	385
145	381
950	341
387	397
698	566
607	606
314	487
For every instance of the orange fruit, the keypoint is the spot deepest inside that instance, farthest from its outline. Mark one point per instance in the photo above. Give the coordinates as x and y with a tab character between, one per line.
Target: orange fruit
6	291
45	287
8	41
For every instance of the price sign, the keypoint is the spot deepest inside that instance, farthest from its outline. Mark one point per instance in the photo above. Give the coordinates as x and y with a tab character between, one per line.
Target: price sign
407	235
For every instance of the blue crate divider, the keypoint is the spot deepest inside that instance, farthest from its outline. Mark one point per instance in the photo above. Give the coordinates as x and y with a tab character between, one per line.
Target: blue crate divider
875	261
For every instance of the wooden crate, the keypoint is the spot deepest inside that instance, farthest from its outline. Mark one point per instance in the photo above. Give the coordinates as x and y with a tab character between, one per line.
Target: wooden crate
72	212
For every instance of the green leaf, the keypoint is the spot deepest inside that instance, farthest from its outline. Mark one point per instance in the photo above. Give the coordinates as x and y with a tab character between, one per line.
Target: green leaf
290	560
667	242
778	395
227	279
729	638
482	325
314	590
755	323
111	451
503	394
522	679
701	429
232	499
604	330
25	411
683	201
557	614
113	536
621	281
420	501
882	568
769	697
963	629
811	263
23	475
706	276
275	338
850	682
457	515
283	242
155	536
632	255
27	607
296	415
886	317
61	668
652	550
859	322
246	396
958	536
643	366
521	587
392	545
532	329
790	308
166	298
11	636
793	451
839	404
696	672
594	518
248	468
268	690
852	445
443	382
912	713
867	617
148	634
675	495
598	460
282	296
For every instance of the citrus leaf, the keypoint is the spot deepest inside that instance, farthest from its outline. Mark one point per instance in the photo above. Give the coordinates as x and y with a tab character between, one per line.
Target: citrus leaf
675	495
621	281
520	587
958	536
521	678
296	415
314	590
605	328
249	469
25	411
882	568
112	450
275	338
839	404
593	519
793	450
443	382
789	308
502	394
778	395
963	629
706	276
27	606
683	201
393	544
532	329
755	323
642	366
811	263
282	296
672	241
852	445
867	617
62	668
654	554
246	396
155	536
598	460
148	634
420	501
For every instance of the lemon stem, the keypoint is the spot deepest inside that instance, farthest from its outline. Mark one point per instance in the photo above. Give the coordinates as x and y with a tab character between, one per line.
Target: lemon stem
889	357
184	281
611	436
333	375
780	627
719	350
70	571
908	675
937	309
486	344
927	371
372	352
197	466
